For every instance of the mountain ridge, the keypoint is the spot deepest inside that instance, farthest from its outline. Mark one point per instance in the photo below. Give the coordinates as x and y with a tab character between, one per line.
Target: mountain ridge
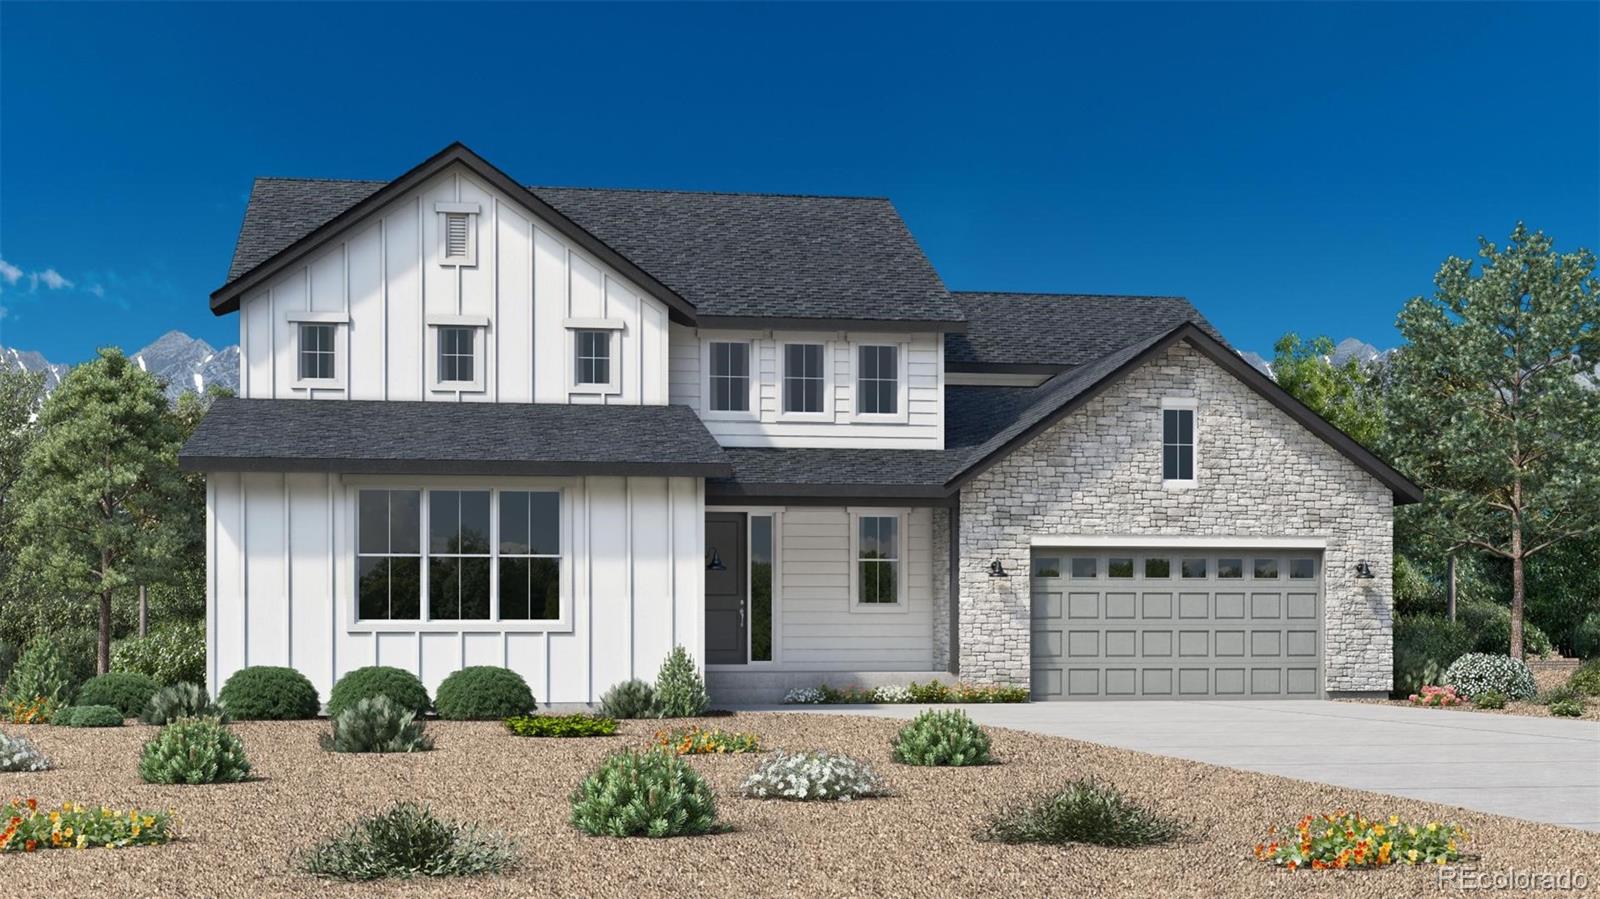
181	362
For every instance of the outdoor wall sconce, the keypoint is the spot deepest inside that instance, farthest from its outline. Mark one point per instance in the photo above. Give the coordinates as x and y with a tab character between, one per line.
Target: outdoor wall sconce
1364	570
716	561
998	570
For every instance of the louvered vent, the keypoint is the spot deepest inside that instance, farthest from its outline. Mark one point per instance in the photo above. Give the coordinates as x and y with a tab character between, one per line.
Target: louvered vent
457	235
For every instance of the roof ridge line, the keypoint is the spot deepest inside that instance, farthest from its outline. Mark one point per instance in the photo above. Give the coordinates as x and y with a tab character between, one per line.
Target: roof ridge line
1051	293
713	193
321	180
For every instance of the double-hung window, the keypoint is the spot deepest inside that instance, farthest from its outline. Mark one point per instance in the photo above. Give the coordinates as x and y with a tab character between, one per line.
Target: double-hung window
804	379
593	358
457	355
877	380
878	555
1177	442
729	376
459	555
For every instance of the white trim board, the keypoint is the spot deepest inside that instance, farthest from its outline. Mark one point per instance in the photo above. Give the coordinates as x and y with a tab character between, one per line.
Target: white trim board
1177	541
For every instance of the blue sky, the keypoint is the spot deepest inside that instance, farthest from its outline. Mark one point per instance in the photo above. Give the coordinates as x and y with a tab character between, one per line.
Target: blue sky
1287	167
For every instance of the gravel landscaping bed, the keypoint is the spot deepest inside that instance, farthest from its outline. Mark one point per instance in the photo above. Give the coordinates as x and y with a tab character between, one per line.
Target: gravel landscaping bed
240	839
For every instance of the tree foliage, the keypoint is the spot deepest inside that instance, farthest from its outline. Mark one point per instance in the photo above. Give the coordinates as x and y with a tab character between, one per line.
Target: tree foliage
1346	394
1493	403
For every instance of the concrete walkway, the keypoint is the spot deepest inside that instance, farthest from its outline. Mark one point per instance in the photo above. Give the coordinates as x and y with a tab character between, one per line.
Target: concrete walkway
1540	769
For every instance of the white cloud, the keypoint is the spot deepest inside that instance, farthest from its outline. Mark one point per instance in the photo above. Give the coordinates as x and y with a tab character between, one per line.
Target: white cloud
97	290
9	273
49	278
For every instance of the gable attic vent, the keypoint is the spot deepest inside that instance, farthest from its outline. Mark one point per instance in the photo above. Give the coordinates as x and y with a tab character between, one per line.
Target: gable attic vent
457	234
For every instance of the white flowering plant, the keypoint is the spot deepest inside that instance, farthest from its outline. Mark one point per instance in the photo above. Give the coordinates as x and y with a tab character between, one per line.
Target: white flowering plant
1479	672
893	693
805	696
816	775
19	754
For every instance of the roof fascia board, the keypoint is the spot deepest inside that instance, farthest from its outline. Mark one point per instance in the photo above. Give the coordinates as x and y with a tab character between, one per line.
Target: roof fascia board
765	323
225	299
444	467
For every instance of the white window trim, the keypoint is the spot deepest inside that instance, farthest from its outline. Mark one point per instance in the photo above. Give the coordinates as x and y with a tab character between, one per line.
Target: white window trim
480	340
356	625
776	514
902	601
828	380
902	413
751	414
339	355
613	327
1192	406
472	211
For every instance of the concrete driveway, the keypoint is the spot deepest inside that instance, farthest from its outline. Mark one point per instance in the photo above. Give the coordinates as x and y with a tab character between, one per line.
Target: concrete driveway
1541	769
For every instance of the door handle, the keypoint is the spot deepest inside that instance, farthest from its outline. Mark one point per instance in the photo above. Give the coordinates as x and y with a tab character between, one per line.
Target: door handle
741	613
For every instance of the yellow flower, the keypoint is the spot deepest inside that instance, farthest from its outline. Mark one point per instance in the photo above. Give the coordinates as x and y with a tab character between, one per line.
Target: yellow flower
1412	855
149	821
83	841
1378	830
1393	820
136	831
1412	829
1433	826
1450	845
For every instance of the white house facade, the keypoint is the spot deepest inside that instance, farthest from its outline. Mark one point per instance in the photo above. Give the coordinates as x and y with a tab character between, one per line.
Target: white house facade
564	430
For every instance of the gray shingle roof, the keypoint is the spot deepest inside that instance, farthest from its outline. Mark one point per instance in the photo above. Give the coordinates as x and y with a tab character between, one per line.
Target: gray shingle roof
729	254
1051	329
451	438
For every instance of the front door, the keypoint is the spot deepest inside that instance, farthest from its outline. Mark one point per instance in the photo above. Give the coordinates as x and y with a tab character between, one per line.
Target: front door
727	586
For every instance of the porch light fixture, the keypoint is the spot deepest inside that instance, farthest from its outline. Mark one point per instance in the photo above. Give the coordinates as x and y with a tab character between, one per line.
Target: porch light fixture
716	561
1364	570
998	570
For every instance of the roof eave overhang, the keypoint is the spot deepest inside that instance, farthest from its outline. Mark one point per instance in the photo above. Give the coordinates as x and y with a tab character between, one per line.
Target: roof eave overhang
225	299
521	468
781	323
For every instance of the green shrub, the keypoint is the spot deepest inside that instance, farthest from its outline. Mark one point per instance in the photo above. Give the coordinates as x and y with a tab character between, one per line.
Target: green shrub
8	660
269	693
1567	708
932	691
629	699
562	725
128	692
194	751
409	841
39	672
1586	637
942	738
399	685
483	693
643	794
377	724
172	654
1478	672
1490	700
80	649
1490	626
990	693
181	700
95	716
680	691
1586	679
1083	811
1424	646
1562	693
61	717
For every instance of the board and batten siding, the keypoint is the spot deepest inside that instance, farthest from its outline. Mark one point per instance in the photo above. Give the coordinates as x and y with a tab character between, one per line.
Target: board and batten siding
820	632
281	585
922	427
384	274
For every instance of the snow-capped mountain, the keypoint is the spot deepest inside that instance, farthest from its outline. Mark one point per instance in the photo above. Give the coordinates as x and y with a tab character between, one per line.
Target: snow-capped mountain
183	362
1258	362
1345	350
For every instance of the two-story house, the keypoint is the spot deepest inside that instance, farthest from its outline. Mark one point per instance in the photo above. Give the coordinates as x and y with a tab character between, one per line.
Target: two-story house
562	430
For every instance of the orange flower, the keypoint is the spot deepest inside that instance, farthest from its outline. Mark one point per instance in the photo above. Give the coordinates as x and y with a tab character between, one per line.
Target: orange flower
33	805
30	846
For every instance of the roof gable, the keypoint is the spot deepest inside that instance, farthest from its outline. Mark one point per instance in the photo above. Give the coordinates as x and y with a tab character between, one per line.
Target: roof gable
1049	332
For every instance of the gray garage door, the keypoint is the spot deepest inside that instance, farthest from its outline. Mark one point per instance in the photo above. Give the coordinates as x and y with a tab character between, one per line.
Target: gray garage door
1177	624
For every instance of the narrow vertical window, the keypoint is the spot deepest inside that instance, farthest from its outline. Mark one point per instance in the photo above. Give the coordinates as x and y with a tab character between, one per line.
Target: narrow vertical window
803	378
389	555
457	356
593	357
458	555
878	560
878	380
316	352
761	551
730	377
1177	444
530	556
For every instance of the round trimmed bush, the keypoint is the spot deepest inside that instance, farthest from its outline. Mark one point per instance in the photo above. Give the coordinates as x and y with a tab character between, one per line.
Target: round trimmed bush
483	693
628	699
269	693
126	691
644	794
1478	672
194	751
401	686
95	716
942	738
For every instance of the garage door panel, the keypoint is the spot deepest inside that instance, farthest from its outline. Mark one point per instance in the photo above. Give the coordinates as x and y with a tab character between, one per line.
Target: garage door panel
1176	624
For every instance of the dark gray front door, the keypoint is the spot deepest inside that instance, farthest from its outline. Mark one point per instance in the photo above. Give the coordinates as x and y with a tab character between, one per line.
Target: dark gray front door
726	629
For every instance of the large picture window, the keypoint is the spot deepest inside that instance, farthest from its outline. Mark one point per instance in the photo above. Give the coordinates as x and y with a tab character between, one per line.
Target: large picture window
433	555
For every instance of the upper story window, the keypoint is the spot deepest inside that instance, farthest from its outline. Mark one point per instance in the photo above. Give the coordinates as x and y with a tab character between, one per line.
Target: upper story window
457	354
729	376
1177	442
595	363
593	357
458	233
877	380
316	352
804	380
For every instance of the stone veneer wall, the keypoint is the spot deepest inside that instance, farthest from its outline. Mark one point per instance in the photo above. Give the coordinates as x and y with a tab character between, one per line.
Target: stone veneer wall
1098	472
941	590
